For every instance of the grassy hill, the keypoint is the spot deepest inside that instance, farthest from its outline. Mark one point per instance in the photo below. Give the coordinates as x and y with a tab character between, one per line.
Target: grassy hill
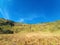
15	33
7	26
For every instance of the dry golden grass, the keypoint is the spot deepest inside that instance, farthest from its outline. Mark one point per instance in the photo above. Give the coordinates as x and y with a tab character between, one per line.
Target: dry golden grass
30	34
39	38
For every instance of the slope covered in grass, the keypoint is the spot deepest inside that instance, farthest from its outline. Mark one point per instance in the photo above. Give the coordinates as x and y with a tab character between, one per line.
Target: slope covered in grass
30	39
7	26
13	33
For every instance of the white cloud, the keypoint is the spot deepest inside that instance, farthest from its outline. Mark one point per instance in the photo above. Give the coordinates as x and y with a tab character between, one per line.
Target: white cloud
21	20
32	17
4	13
38	16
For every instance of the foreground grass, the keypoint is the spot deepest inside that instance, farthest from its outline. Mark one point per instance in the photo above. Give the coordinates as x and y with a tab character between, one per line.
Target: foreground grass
32	38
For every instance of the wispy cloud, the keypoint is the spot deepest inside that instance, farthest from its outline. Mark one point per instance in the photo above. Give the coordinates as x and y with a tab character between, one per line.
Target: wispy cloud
32	17
36	16
4	13
21	20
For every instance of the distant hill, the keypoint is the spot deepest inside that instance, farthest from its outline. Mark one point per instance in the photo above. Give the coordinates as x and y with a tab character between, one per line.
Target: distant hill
10	27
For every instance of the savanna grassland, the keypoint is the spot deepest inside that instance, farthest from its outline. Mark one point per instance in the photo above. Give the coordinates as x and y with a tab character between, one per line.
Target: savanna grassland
14	33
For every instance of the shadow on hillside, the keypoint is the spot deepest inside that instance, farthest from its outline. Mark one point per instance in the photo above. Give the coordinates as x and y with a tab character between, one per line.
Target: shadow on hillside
6	31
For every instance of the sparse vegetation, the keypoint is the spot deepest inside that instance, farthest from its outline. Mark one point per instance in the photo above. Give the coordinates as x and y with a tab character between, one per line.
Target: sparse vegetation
13	33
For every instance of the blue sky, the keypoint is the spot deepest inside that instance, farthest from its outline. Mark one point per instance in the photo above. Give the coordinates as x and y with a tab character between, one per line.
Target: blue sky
30	11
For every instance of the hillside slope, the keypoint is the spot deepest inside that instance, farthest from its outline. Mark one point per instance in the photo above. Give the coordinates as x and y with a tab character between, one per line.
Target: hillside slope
7	26
13	33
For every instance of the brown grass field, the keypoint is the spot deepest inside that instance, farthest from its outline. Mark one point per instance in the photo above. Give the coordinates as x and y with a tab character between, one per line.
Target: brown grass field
29	34
35	38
